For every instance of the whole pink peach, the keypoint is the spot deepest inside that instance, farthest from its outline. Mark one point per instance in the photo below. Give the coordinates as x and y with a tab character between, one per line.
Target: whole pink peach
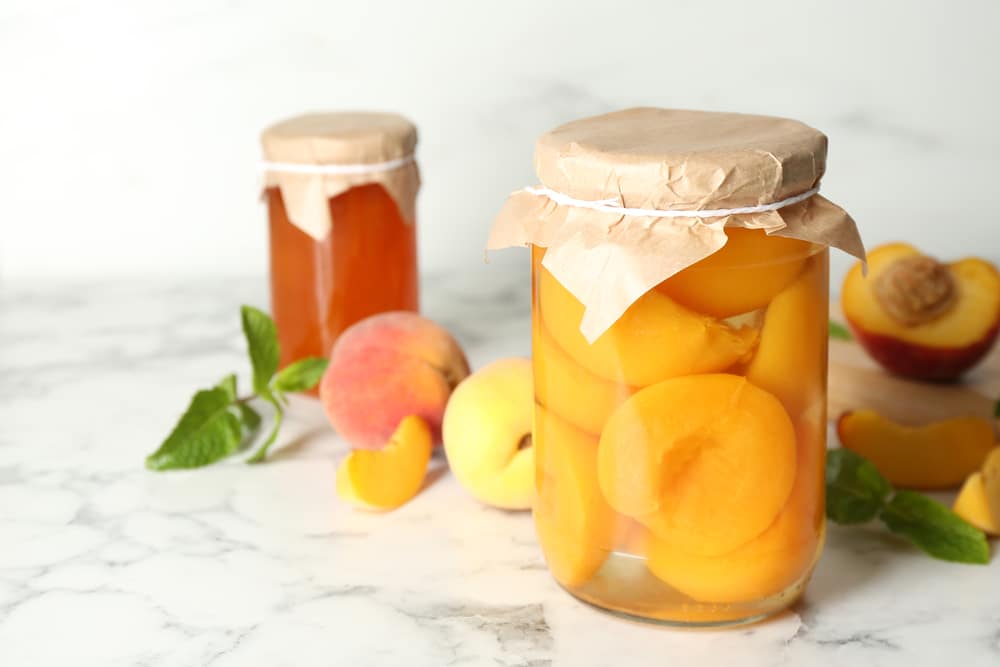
385	368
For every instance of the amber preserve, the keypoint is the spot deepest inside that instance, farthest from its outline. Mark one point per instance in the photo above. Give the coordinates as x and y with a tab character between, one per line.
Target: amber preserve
340	194
679	360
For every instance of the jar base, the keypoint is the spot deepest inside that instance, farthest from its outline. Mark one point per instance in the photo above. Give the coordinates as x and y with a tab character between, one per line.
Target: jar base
625	588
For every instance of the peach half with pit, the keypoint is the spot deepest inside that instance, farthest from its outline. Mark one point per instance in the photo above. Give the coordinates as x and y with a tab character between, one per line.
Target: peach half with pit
921	318
385	368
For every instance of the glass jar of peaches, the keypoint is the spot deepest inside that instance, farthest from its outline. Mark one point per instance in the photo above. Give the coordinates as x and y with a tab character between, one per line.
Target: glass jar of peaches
679	328
341	193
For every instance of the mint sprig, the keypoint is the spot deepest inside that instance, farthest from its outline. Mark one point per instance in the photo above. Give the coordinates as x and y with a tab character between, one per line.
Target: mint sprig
857	493
218	422
839	332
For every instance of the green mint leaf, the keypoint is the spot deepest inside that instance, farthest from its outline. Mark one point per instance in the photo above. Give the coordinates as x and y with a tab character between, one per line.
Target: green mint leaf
249	417
206	432
839	332
262	345
855	491
302	375
228	384
279	415
935	529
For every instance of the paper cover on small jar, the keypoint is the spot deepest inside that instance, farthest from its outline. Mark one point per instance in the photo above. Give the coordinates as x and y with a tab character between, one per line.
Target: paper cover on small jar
341	191
679	319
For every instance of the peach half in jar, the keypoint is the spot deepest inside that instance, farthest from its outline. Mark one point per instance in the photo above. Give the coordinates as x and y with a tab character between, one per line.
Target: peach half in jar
632	351
704	461
791	356
575	525
743	276
768	563
571	391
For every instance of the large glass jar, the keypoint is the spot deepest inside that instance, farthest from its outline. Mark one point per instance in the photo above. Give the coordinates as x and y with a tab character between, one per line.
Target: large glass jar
679	457
340	198
679	364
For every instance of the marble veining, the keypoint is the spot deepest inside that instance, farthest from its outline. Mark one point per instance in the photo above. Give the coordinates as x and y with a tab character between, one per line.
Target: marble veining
104	563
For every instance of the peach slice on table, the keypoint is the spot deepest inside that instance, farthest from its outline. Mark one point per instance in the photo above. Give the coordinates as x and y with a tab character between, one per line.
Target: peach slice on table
576	528
920	318
385	368
767	564
973	505
790	361
939	455
569	390
741	277
706	461
656	338
991	483
387	478
487	434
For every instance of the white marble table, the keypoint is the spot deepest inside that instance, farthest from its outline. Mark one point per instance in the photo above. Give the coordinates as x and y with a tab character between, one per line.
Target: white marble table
104	563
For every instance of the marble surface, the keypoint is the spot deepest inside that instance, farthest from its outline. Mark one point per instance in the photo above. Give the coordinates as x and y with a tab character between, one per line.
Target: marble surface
104	563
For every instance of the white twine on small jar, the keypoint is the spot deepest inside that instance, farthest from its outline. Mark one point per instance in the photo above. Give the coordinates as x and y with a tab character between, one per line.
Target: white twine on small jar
336	169
612	206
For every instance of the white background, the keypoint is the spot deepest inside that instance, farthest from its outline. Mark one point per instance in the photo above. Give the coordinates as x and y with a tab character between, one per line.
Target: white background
128	130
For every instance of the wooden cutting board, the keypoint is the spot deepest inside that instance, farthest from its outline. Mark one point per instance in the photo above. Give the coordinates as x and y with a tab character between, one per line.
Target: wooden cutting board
856	382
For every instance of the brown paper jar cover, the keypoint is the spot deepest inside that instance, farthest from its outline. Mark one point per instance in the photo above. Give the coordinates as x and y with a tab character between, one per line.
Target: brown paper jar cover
359	141
666	160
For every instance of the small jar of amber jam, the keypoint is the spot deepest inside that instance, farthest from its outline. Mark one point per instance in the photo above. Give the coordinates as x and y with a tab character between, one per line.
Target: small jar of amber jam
341	192
679	319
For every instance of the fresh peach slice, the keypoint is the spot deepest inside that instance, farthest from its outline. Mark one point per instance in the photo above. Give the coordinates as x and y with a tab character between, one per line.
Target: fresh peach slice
790	361
576	527
655	339
566	388
706	461
991	483
938	455
920	318
387	478
741	277
973	505
767	564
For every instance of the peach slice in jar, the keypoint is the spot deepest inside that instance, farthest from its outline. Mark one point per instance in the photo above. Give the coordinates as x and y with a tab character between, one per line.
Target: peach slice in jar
742	276
655	339
572	392
767	564
576	527
706	461
790	361
387	478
